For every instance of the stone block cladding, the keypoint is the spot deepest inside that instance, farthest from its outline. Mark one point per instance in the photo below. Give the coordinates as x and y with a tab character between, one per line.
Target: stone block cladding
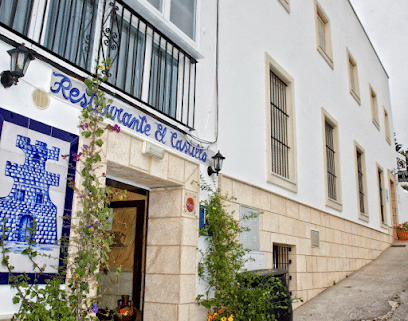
345	246
172	233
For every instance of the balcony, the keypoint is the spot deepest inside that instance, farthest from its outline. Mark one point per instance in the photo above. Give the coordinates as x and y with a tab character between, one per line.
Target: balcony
146	65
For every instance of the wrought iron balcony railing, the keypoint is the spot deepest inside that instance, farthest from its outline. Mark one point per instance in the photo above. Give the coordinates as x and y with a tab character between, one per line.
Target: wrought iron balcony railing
145	64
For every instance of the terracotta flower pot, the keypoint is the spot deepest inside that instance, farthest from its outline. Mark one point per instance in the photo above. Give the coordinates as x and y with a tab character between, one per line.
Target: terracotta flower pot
402	235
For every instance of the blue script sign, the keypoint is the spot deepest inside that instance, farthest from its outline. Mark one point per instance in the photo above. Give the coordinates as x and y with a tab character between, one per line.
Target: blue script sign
128	117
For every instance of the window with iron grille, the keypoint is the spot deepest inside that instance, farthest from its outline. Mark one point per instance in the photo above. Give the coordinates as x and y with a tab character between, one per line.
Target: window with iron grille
353	78
330	162
281	259
279	127
381	195
374	108
360	175
321	25
324	46
70	30
146	65
387	127
16	14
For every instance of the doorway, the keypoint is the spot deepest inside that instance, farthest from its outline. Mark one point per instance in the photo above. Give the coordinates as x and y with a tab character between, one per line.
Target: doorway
128	251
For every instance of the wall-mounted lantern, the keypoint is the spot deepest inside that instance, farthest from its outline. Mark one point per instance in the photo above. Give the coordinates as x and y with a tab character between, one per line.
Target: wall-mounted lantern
218	159
20	59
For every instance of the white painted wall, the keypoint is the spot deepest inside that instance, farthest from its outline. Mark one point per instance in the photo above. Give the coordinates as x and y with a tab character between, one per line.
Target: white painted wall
246	32
402	204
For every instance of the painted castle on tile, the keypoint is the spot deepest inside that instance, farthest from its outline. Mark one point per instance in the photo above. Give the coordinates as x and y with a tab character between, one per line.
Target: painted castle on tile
29	198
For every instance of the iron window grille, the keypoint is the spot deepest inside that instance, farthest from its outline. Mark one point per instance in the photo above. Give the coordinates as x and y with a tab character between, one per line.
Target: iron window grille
281	259
330	162
321	27
381	191
279	126
352	71
146	65
360	175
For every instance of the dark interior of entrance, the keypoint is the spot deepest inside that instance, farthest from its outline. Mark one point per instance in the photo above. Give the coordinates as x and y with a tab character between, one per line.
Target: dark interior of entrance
128	230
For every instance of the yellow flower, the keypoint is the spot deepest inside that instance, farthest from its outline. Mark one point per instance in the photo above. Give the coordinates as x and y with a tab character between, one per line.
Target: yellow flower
223	319
121	197
77	275
215	315
231	318
100	67
104	244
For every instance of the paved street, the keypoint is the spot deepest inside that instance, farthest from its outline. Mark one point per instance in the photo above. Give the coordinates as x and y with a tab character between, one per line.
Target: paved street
378	291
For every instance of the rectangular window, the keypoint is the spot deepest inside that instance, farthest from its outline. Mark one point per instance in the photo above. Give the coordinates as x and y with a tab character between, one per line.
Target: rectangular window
16	14
183	15
147	65
280	127
353	79
156	3
360	174
282	260
374	108
381	195
332	162
361	184
71	29
323	34
163	81
128	59
387	127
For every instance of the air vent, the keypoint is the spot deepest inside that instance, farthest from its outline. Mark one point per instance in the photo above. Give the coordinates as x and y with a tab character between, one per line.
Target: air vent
40	98
315	237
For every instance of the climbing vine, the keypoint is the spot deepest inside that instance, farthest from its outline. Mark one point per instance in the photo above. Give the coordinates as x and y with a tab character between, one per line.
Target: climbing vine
72	294
232	294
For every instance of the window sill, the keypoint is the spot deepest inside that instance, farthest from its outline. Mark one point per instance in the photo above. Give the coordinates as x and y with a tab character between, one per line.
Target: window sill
282	182
355	96
326	57
334	204
384	226
376	124
363	217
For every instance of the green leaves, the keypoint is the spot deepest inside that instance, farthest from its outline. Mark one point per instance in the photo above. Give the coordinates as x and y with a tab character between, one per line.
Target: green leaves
89	238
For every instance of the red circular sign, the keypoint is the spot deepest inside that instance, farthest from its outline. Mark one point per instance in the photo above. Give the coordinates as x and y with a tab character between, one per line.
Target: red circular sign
190	204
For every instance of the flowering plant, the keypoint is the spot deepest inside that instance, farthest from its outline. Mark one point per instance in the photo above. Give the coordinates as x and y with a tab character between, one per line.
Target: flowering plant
401	227
233	296
89	242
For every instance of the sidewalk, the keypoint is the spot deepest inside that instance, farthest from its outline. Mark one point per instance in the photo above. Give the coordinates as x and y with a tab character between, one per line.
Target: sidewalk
378	291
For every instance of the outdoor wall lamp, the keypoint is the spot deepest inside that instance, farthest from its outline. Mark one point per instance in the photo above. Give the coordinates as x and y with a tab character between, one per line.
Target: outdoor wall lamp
20	59
218	159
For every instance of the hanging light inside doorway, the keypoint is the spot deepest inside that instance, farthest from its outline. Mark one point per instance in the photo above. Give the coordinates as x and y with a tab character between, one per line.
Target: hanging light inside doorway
218	160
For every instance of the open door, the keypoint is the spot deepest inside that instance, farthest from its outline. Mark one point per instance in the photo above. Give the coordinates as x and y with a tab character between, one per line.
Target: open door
128	253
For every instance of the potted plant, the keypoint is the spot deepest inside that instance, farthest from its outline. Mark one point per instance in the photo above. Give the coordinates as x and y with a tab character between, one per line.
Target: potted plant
402	231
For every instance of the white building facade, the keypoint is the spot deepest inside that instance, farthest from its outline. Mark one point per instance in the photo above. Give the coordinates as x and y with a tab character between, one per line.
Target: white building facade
306	126
291	92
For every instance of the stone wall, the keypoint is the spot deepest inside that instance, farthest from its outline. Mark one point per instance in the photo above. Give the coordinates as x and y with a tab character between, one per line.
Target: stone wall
345	246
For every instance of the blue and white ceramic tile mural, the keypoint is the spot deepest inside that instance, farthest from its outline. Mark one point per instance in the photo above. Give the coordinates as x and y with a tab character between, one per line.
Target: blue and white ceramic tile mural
33	186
